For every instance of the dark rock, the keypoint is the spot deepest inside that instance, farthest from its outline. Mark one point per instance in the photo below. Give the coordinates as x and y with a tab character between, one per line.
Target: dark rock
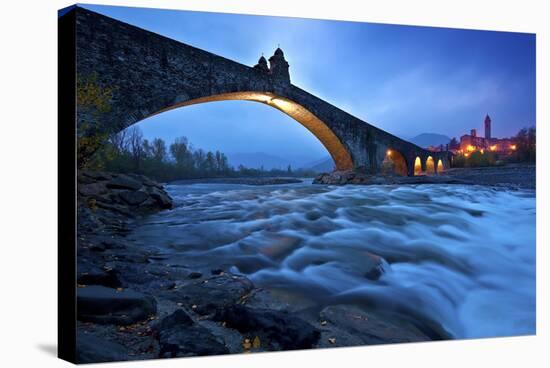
349	325
96	175
89	274
278	330
161	198
195	275
177	319
95	349
124	182
103	305
92	190
217	271
98	276
217	292
180	336
190	341
133	198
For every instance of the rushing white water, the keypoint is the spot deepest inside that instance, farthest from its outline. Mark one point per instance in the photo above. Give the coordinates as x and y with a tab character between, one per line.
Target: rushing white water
462	256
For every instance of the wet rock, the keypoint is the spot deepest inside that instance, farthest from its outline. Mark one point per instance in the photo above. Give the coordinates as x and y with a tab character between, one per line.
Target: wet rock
133	198
92	189
180	336
177	319
98	276
349	325
217	271
195	275
342	177
124	182
104	305
94	349
161	198
214	293
278	330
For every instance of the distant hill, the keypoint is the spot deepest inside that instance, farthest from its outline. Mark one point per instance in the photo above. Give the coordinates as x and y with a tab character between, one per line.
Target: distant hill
430	139
325	164
255	160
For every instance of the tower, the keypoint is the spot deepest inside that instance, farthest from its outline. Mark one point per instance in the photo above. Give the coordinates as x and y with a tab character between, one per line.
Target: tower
262	65
278	66
487	127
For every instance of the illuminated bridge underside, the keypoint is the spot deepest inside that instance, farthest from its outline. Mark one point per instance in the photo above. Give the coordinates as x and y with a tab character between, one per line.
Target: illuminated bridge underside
150	74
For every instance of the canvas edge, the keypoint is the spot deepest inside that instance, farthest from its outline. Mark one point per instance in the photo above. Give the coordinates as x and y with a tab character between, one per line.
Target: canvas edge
66	176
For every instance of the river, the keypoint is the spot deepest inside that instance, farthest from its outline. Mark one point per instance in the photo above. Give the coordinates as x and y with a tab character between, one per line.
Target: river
462	256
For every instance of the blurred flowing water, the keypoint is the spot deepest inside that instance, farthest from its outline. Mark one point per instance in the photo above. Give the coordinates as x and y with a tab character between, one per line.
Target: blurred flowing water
462	256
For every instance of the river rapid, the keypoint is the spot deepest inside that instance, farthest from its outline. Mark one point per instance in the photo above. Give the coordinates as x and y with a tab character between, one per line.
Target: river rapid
460	256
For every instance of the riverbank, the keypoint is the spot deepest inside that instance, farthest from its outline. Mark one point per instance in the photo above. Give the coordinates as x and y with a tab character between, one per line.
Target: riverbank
134	304
240	180
510	176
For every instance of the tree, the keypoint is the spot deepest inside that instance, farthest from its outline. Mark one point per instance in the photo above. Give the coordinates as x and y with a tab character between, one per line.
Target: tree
182	155
158	150
526	143
135	139
94	100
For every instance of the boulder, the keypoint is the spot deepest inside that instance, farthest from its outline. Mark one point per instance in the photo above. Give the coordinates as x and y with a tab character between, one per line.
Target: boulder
104	305
124	182
180	336
217	292
348	325
133	198
278	330
98	276
95	349
161	198
92	190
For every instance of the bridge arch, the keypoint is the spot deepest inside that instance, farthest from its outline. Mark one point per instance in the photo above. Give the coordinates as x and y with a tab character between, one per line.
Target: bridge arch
440	167
394	163
417	166
338	151
430	166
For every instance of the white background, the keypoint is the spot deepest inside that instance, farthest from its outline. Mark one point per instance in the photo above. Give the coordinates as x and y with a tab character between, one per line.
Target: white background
28	182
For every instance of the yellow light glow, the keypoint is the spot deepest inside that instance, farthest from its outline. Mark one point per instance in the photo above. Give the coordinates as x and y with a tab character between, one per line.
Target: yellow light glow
482	151
493	147
513	147
388	152
417	166
466	154
470	148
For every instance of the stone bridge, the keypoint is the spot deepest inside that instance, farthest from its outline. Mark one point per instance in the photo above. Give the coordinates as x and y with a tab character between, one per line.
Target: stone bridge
149	74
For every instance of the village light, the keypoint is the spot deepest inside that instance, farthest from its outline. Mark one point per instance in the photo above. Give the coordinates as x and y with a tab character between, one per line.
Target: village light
493	147
466	154
513	147
388	153
470	148
482	151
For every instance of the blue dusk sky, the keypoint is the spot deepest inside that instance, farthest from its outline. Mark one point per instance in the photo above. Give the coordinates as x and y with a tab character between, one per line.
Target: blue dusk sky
406	80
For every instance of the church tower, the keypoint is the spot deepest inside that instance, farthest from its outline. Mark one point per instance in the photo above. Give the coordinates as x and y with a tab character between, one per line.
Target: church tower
278	66
487	127
262	65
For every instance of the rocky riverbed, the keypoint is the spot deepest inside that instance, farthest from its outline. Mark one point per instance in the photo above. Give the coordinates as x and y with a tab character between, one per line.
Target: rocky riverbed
131	306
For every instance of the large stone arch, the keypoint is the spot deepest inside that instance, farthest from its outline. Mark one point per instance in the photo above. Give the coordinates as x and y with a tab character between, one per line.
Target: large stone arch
318	128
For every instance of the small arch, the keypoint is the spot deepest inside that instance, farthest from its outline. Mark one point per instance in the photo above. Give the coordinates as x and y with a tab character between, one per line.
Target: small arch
430	166
417	166
440	167
394	163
